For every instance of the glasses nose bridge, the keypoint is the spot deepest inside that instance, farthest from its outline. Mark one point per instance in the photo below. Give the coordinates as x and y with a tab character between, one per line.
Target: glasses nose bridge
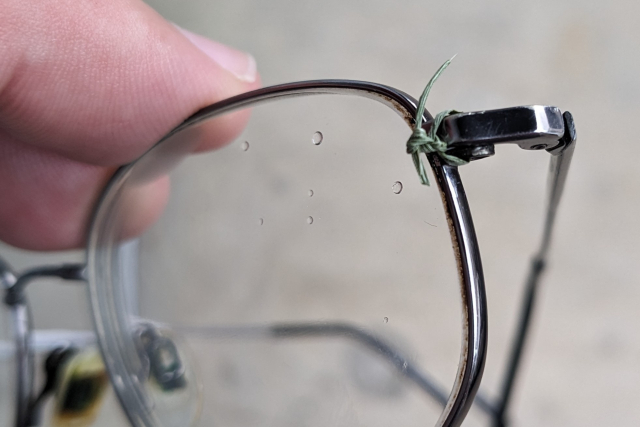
15	293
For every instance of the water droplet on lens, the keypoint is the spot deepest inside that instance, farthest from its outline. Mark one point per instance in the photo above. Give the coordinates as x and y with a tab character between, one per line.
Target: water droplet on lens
260	221
310	220
316	138
397	187
245	145
310	193
386	320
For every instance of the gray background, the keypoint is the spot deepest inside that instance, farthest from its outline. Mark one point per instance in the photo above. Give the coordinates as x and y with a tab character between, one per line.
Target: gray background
581	56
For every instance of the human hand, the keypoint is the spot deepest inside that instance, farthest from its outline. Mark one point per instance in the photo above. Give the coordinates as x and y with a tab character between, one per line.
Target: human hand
86	86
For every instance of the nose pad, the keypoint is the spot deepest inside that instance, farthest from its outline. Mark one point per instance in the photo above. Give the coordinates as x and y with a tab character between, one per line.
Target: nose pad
164	364
167	376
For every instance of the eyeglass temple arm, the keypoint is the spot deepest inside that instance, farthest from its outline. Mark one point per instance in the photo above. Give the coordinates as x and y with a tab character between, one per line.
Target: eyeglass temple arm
368	340
558	169
371	342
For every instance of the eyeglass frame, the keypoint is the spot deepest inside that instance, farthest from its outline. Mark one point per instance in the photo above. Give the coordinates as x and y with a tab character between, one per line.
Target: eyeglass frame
468	135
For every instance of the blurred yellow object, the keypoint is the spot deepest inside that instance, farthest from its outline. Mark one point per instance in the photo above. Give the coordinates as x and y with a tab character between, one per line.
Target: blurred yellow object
80	391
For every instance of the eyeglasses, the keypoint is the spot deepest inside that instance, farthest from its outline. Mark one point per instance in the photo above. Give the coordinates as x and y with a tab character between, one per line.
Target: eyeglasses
182	333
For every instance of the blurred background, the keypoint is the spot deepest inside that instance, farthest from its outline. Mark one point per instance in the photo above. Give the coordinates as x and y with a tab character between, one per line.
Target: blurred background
581	366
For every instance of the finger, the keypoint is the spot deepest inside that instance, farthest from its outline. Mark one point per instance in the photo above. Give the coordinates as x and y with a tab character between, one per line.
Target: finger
101	81
48	198
98	83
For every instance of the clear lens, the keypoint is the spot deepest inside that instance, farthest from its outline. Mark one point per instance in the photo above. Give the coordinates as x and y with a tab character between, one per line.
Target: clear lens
301	275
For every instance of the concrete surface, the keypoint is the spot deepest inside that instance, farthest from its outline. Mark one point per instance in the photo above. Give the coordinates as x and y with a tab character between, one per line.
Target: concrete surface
581	367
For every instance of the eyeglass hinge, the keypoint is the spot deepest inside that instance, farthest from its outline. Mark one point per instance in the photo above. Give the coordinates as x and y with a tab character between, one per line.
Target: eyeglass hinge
472	136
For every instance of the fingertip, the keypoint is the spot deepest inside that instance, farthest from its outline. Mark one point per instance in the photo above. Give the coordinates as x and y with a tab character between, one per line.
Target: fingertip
221	131
224	129
48	200
105	94
241	64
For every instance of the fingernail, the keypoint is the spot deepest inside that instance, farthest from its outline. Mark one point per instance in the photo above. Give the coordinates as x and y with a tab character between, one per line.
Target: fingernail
240	64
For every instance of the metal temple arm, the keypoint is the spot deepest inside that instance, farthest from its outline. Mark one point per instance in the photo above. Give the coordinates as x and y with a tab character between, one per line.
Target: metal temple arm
558	168
368	340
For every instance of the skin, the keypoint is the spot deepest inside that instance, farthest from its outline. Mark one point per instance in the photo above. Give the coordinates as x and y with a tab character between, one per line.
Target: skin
86	86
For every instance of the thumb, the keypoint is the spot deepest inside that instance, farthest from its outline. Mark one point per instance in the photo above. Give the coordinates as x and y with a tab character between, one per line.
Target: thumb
99	81
88	85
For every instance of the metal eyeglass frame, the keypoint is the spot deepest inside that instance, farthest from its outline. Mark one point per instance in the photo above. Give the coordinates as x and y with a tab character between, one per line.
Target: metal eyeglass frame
469	135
